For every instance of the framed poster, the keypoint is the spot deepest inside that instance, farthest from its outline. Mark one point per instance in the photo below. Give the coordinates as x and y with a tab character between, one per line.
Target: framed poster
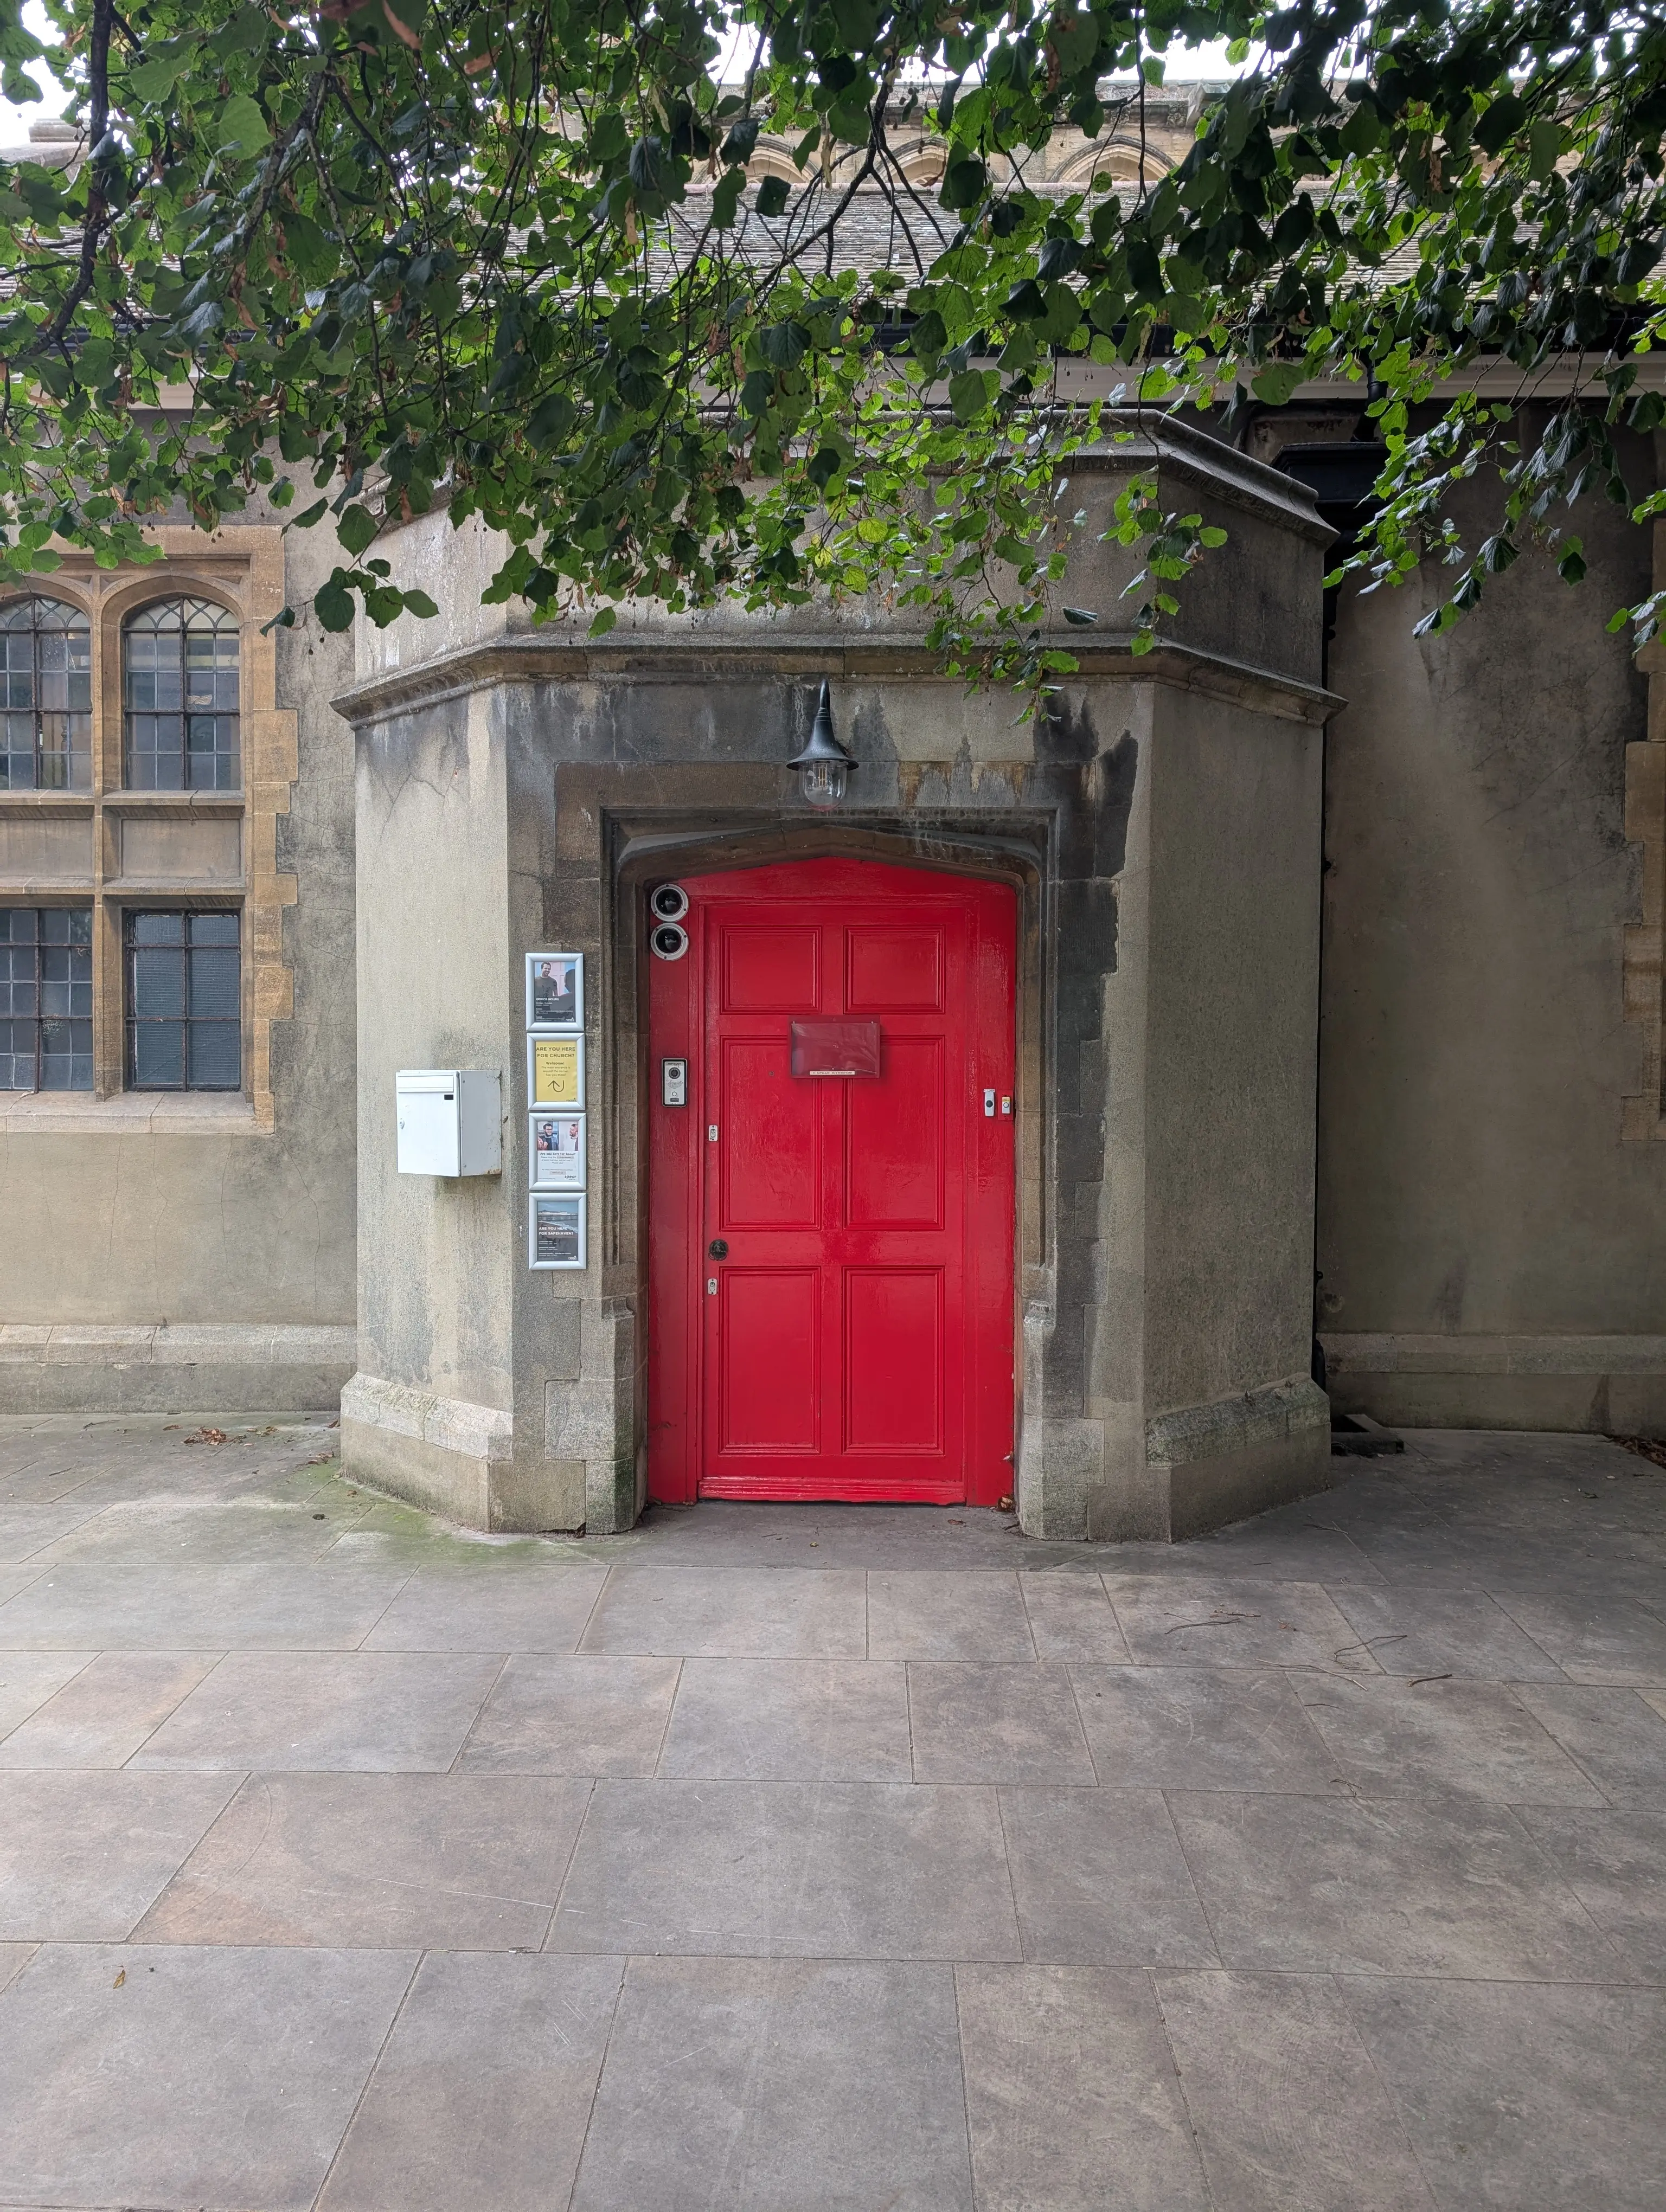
556	1231
554	1151
555	991
555	1072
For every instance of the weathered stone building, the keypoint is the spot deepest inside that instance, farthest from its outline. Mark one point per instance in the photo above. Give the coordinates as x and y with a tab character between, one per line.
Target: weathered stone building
1295	944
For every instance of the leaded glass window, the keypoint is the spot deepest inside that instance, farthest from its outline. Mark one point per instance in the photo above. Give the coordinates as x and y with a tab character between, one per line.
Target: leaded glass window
184	1002
45	696
45	998
179	685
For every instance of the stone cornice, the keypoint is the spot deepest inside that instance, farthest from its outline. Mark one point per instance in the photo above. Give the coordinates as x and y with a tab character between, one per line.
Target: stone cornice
662	656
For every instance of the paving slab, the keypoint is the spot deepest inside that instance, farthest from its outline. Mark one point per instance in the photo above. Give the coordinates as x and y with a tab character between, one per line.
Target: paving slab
423	1862
327	1711
1528	2096
948	1614
225	2078
1288	2112
276	1606
1618	1736
1070	1616
13	1957
594	1715
772	2085
1071	2093
995	1723
1427	1738
481	2098
1593	1636
1464	1633
1099	1879
1614	1863
108	1711
732	1613
1334	1885
837	1869
29	1679
505	1604
1200	1727
790	1720
29	1525
1202	1622
82	1855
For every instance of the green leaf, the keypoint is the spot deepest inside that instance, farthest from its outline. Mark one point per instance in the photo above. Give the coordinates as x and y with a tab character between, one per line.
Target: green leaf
418	602
242	123
1275	385
154	79
1544	141
1080	617
356	527
603	621
785	344
727	198
968	394
332	603
772	196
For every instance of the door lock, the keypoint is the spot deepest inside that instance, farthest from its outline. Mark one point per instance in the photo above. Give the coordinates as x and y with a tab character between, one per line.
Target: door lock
719	1247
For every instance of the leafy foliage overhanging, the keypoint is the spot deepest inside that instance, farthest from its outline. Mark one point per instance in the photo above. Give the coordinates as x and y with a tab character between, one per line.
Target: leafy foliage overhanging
381	253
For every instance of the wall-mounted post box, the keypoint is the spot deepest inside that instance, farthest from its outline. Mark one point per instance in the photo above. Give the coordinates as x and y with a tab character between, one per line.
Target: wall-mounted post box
451	1120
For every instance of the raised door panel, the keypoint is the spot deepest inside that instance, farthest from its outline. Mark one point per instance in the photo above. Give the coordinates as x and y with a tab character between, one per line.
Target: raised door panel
770	1151
893	1359
770	971
893	970
769	1380
894	1140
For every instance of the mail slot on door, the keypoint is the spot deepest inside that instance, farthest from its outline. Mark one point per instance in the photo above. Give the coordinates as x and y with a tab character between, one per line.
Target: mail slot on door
831	1048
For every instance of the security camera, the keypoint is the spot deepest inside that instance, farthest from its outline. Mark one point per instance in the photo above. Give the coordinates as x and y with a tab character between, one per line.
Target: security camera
668	902
669	941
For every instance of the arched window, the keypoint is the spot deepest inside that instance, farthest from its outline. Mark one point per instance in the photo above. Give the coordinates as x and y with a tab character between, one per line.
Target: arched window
180	667
45	696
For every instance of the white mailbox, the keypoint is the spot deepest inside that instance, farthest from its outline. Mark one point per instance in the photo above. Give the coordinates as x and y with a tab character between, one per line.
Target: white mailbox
451	1120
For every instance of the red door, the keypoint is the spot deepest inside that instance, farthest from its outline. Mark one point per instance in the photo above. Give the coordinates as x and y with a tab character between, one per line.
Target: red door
831	1310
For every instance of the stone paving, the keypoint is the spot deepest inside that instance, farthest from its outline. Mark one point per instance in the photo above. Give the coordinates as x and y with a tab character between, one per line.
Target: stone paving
828	1857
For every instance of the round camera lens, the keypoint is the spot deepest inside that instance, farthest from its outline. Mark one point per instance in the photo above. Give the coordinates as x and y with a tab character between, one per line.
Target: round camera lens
669	902
670	942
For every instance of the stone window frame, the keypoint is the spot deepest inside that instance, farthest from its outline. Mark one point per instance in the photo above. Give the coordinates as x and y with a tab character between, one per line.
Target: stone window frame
242	568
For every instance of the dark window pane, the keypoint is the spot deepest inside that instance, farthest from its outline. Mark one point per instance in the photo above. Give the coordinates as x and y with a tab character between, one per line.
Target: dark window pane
180	689
159	984
214	1056
45	999
214	984
184	1001
157	928
159	1055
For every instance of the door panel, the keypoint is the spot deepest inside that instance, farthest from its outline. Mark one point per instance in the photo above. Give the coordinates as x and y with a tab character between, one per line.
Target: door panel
770	1159
768	1342
772	971
831	1257
893	970
893	1359
894	1140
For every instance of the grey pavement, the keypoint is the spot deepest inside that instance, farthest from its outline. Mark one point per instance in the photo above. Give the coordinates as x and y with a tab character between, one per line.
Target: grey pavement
796	1858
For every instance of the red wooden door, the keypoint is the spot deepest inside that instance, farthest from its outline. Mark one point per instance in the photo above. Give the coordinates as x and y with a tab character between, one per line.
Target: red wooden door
831	1308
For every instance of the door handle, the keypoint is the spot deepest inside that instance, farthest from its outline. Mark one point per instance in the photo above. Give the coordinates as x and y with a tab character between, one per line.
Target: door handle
719	1247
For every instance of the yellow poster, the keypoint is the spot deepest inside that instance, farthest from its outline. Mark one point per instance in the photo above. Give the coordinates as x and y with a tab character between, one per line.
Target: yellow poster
557	1070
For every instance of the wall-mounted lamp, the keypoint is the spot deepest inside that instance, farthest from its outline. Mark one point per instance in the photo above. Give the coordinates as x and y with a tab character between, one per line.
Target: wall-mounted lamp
823	764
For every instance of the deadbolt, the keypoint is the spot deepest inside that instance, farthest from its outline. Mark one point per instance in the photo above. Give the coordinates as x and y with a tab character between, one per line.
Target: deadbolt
719	1247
